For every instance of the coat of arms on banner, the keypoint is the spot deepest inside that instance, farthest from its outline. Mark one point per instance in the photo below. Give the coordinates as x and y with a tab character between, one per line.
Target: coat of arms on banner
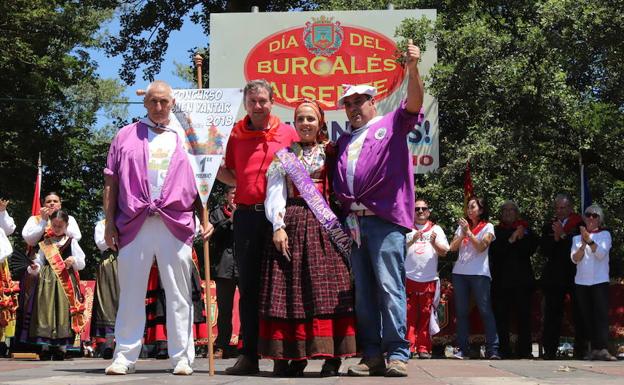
322	36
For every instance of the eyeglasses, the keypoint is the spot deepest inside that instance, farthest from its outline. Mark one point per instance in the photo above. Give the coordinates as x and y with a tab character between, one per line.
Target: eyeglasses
592	215
422	208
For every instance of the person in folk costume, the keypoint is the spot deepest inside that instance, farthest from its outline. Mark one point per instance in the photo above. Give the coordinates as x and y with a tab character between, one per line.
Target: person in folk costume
558	277
250	149
425	243
590	254
149	198
35	227
223	269
57	314
471	274
34	231
306	296
8	288
512	279
106	295
374	183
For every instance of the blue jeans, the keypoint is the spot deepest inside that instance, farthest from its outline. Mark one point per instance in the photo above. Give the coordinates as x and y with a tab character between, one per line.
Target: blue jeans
380	299
480	287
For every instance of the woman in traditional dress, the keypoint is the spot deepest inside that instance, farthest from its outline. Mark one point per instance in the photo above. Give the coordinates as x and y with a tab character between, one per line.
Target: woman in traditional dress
306	297
58	308
8	288
106	295
471	273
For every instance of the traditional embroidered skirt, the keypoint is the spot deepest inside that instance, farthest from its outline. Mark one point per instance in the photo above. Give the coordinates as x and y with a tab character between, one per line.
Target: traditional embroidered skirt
306	304
50	321
106	297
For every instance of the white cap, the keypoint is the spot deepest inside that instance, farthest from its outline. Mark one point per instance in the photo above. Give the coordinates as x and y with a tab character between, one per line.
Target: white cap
363	89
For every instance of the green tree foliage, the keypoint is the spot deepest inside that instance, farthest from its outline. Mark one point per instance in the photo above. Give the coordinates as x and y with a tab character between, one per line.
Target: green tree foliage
49	97
146	25
524	88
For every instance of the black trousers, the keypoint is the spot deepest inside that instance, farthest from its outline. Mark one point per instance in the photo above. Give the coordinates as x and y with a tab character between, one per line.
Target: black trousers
594	304
517	302
553	316
250	233
225	302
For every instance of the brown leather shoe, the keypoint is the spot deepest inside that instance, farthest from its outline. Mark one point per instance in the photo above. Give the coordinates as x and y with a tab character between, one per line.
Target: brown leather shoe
368	367
244	366
396	368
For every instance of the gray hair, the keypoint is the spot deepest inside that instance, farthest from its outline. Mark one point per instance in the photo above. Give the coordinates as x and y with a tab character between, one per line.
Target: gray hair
254	85
595	209
509	202
159	83
564	197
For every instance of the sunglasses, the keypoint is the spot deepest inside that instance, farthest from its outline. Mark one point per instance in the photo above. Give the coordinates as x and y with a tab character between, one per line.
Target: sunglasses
422	208
592	215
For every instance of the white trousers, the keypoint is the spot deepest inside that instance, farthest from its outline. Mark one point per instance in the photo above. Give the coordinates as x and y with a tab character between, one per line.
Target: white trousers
174	266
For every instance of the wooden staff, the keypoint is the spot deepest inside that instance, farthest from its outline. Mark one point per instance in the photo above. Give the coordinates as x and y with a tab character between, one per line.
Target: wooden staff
199	61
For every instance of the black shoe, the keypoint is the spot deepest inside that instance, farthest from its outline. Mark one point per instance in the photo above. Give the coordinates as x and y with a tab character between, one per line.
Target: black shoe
280	368
244	366
296	368
107	354
58	355
45	355
331	367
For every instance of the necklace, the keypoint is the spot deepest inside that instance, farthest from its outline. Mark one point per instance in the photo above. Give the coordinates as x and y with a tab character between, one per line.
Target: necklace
309	154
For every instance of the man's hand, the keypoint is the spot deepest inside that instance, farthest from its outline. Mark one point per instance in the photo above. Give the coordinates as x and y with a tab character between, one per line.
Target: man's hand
207	232
3	205
412	56
111	236
557	228
45	213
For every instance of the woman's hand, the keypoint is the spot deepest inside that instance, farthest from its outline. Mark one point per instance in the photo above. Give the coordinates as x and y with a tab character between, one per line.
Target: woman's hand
69	262
463	223
280	239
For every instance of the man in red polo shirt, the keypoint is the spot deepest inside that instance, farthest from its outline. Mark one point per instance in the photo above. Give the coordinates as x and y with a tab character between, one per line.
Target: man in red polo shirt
250	150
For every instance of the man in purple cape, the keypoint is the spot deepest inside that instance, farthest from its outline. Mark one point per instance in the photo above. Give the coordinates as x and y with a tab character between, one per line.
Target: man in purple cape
374	182
149	197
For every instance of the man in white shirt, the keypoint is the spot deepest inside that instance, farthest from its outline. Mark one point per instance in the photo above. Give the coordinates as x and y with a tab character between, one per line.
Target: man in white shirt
424	244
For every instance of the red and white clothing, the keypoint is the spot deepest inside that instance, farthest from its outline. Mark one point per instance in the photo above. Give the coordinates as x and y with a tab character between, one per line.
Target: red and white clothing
470	260
422	284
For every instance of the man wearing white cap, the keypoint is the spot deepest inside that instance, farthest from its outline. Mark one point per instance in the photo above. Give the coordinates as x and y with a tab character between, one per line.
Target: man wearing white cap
374	182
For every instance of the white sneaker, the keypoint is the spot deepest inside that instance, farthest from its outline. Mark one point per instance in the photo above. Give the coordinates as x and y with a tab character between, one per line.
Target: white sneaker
117	368
182	368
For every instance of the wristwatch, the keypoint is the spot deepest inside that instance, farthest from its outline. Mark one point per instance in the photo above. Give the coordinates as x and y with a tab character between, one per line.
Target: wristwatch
591	243
563	235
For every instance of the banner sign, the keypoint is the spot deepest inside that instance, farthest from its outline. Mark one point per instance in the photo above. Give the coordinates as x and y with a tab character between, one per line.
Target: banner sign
312	54
204	119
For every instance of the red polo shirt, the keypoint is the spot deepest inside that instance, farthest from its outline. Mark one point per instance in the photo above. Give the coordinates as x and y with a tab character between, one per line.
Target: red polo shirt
250	158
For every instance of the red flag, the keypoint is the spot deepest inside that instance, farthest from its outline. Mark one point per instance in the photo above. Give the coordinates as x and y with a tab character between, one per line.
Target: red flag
468	188
36	203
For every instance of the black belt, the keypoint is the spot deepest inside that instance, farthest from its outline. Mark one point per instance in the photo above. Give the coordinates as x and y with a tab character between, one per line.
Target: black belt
254	207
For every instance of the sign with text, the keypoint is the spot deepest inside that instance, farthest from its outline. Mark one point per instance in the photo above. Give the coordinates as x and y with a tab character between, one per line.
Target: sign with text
204	119
311	54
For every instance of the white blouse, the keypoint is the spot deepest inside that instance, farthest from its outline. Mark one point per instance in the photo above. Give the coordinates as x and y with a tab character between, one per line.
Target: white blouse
34	228
98	235
5	246
471	261
277	184
6	223
593	268
76	252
